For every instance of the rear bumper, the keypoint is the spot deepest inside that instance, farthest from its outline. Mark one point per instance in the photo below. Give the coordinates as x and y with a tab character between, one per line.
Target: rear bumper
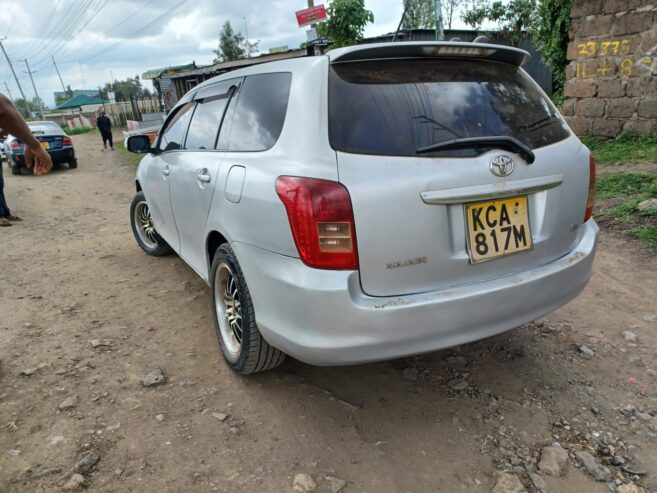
323	317
63	155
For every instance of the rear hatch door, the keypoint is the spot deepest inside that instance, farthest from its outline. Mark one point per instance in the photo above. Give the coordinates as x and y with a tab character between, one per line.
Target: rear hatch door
420	216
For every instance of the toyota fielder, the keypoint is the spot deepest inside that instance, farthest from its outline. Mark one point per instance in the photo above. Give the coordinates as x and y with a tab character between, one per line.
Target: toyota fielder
380	201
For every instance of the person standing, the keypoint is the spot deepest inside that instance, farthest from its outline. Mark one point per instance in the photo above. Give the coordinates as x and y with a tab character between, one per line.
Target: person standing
36	156
104	124
6	218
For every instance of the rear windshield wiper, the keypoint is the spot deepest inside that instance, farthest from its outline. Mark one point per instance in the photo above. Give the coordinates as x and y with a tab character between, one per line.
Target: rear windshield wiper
501	141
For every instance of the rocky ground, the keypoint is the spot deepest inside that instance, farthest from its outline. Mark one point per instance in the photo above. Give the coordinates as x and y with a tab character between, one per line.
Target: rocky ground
111	380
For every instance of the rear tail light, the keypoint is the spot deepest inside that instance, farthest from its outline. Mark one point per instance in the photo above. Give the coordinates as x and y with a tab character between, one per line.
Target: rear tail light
68	141
322	221
591	197
14	145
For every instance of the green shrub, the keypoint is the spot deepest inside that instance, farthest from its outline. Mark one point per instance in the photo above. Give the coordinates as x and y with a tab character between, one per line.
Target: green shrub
78	130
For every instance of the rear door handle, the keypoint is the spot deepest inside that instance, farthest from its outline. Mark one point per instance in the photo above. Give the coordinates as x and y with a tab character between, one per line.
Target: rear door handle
203	176
167	170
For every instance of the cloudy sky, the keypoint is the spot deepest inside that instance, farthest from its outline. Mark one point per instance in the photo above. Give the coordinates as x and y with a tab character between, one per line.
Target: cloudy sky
91	40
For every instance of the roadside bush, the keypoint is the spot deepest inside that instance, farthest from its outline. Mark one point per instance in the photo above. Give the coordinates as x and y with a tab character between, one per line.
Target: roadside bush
78	130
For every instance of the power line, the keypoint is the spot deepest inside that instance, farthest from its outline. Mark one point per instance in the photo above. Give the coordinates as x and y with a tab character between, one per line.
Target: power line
120	23
77	33
37	38
54	45
57	37
137	32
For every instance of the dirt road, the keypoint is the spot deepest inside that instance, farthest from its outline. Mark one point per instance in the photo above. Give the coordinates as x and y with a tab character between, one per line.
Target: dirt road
72	277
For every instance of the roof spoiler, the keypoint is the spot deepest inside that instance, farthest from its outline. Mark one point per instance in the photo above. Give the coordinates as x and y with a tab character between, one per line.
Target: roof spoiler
424	49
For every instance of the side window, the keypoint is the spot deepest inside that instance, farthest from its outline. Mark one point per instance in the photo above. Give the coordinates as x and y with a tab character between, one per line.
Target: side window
209	113
171	138
204	127
260	112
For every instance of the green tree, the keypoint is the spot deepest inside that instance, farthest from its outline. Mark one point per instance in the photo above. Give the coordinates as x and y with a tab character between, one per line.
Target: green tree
419	14
550	34
232	45
68	94
548	22
450	9
123	89
346	22
514	18
38	104
25	108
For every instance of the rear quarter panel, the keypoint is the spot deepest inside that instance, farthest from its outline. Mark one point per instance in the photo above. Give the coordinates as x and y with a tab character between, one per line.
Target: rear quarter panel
259	218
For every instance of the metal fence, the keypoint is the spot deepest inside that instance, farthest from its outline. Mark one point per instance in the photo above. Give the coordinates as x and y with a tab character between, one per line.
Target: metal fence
121	112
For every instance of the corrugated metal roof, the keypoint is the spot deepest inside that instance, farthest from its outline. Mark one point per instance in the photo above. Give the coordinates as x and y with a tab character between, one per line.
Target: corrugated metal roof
79	100
242	62
167	71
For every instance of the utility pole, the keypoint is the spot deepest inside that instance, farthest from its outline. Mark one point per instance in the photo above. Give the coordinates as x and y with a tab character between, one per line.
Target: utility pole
34	86
82	75
246	33
59	75
311	4
9	92
394	37
440	31
13	72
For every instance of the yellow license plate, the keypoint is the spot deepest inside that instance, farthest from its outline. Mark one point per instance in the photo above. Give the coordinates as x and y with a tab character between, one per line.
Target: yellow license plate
45	145
497	228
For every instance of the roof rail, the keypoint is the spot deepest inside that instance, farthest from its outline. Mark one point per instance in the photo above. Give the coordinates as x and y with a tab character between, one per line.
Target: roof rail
429	49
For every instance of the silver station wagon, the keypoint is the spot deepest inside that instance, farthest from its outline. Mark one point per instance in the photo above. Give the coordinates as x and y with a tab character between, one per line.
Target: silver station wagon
380	201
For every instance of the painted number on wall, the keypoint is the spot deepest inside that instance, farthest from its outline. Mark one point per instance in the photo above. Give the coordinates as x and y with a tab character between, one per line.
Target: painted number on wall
604	48
603	67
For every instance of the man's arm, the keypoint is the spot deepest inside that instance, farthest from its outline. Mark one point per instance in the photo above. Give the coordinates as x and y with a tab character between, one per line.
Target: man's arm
12	122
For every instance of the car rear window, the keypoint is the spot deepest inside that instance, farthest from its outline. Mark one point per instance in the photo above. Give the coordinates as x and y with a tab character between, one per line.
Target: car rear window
44	127
396	107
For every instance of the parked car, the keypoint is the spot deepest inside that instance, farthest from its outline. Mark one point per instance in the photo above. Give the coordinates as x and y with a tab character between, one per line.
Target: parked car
52	138
380	201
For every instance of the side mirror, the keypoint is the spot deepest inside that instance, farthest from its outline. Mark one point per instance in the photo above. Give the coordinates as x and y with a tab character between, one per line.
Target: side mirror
139	144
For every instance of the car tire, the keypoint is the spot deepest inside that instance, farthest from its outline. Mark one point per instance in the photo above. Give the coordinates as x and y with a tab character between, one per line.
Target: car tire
15	170
142	227
73	164
233	313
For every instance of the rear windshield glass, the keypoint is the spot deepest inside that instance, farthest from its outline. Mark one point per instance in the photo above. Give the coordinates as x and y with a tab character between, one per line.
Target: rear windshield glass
399	106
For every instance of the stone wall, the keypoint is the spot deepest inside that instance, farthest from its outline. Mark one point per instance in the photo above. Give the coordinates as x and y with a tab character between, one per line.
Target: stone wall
612	76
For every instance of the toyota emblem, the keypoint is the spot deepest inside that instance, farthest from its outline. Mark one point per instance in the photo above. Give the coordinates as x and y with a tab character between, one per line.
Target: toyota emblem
501	165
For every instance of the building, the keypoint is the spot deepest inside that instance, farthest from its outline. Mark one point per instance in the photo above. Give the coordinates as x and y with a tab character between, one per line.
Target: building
62	96
174	82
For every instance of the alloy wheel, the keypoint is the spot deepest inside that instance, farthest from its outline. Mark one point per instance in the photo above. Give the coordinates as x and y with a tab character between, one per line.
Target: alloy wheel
229	308
144	223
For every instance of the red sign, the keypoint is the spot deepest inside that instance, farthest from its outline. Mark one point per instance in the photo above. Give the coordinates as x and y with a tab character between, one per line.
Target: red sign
311	15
